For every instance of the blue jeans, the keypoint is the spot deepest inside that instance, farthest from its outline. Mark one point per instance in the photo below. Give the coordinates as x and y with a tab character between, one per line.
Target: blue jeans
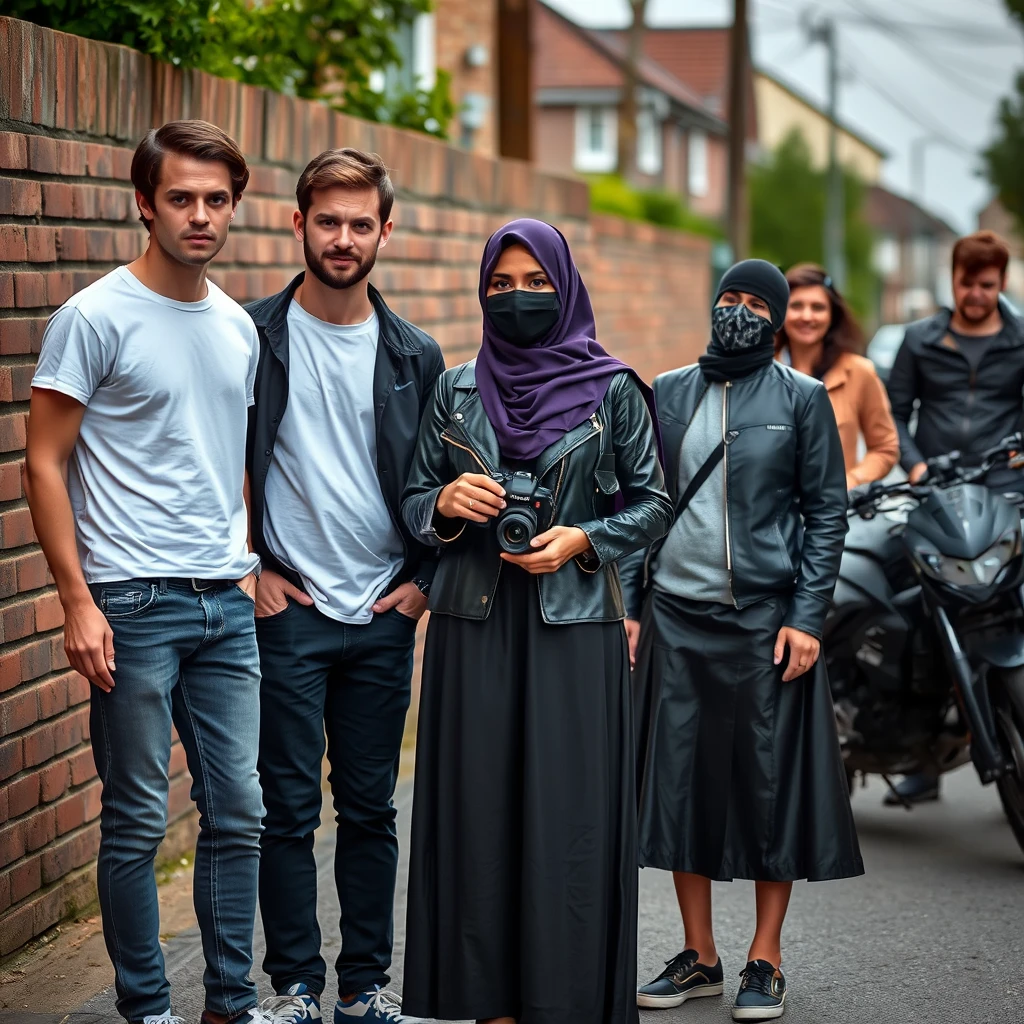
355	681
189	659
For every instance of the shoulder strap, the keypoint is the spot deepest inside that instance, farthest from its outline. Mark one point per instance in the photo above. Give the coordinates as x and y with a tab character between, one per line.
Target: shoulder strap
698	479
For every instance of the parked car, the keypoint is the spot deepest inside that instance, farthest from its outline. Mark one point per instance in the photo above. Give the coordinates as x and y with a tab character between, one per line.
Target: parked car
883	347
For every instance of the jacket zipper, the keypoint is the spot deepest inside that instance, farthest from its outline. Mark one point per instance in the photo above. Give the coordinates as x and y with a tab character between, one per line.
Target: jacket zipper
598	427
725	487
455	444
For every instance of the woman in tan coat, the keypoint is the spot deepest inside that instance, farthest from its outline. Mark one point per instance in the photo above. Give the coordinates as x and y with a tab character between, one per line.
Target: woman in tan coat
820	338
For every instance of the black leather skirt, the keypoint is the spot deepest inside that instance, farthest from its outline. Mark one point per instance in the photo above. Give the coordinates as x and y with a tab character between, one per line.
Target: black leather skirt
739	774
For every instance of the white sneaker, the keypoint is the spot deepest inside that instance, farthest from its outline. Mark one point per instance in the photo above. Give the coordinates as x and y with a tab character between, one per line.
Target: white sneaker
296	1005
163	1018
374	1005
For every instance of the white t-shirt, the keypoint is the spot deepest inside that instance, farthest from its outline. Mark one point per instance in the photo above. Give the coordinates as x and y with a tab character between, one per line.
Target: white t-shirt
326	518
156	475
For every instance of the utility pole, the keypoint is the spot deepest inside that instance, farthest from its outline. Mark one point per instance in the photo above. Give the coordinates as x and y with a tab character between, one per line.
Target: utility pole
630	84
835	212
739	77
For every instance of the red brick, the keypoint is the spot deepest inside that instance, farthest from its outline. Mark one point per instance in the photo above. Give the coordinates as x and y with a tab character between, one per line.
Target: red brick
13	151
11	757
26	878
40	828
58	656
18	620
5	891
33	572
23	794
49	612
10	670
6	293
19	928
71	158
13	247
20	198
42	154
21	381
79	689
18	711
8	578
6	385
41	244
37	659
19	335
82	765
16	523
54	781
71	812
73	852
4	812
52	697
71	243
39	745
99	161
60	286
29	289
71	729
12	842
58	199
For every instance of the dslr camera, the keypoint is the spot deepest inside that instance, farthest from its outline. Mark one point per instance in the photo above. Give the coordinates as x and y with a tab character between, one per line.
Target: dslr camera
528	511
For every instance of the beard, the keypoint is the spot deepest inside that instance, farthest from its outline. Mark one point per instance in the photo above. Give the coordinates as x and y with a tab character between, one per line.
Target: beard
335	278
975	314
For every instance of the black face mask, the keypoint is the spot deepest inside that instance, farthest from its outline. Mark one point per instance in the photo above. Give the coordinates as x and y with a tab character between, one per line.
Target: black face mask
523	317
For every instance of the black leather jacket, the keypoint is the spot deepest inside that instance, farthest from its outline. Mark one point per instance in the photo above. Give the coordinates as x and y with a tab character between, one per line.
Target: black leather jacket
615	448
785	514
961	409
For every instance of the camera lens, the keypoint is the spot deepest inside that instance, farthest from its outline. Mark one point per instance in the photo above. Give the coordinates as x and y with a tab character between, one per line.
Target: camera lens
516	530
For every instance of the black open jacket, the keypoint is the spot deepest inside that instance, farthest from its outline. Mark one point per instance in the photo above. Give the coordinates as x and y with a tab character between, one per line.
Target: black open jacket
785	508
961	409
408	365
615	450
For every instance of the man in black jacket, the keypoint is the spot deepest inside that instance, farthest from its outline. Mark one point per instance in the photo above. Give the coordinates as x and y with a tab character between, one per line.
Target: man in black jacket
340	390
964	370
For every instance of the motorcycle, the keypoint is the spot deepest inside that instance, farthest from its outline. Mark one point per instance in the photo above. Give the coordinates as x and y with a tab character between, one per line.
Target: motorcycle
924	642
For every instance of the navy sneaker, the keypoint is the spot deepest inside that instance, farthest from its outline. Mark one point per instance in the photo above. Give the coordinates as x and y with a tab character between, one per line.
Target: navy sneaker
683	978
296	1005
762	994
375	1005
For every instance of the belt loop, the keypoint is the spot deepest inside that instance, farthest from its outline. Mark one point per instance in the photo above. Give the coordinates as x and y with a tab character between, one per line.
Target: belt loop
163	584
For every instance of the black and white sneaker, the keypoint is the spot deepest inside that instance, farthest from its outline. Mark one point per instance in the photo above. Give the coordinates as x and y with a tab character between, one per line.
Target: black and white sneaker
683	978
762	994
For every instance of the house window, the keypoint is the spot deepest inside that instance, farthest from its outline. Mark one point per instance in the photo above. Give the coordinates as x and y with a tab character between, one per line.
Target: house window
596	139
697	163
648	143
887	255
415	44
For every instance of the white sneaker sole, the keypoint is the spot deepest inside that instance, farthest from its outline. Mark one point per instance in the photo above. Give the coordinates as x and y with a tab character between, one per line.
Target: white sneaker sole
649	1002
760	1012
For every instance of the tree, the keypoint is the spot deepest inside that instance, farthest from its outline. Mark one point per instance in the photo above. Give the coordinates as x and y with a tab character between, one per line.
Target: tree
1003	159
627	135
317	49
787	200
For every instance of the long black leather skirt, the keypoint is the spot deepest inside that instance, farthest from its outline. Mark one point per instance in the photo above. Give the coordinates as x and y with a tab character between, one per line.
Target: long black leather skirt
523	871
740	774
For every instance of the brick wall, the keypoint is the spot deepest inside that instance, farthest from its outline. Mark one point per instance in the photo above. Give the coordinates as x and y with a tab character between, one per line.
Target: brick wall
71	112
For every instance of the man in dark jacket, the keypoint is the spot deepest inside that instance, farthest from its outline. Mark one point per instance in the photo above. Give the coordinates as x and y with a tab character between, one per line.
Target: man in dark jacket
964	370
340	390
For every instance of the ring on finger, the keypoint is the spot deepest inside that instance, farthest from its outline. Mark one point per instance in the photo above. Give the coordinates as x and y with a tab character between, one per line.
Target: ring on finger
471	502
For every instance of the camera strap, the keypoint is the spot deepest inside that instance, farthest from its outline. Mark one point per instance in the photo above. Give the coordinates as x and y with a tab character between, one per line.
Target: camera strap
699	478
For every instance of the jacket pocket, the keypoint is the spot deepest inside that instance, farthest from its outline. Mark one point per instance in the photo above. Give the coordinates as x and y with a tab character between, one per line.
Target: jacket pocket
787	561
605	480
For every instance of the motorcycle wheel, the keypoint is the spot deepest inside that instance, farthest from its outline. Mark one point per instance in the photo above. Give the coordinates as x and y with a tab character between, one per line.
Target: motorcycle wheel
1009	713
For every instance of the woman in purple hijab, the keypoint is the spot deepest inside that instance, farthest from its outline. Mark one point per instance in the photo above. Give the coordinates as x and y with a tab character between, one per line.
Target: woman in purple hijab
537	470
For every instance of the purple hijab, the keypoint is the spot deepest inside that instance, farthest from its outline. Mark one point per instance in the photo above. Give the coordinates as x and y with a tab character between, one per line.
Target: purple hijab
534	395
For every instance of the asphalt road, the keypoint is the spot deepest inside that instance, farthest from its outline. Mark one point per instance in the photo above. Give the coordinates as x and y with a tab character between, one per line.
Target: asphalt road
934	932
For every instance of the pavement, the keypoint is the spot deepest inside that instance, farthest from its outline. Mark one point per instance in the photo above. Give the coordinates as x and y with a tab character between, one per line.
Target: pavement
932	934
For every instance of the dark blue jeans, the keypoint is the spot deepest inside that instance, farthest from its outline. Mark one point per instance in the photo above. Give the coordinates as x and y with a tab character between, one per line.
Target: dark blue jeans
355	681
187	658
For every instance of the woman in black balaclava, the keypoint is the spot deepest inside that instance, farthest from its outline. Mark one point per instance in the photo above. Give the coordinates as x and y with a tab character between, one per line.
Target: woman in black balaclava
740	774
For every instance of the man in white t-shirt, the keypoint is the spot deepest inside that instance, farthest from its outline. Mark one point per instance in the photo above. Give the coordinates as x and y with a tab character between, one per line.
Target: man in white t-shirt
135	476
342	386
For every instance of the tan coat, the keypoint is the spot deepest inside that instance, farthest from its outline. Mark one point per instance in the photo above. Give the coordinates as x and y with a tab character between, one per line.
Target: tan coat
861	406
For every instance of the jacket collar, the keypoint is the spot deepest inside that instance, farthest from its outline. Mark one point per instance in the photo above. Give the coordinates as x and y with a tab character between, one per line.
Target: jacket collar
1010	335
486	440
272	315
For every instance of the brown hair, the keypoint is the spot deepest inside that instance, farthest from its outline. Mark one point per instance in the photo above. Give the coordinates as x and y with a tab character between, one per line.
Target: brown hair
843	334
346	168
198	139
980	251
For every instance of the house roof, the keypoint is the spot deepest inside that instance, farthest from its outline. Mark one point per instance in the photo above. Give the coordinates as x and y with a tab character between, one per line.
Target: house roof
807	102
569	56
698	56
897	215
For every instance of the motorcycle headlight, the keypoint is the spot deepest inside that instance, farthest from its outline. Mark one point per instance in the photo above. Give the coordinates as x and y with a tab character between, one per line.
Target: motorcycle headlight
981	571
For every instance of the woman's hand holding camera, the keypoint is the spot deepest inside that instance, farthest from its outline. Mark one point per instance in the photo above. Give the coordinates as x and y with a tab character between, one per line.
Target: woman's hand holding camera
472	496
553	549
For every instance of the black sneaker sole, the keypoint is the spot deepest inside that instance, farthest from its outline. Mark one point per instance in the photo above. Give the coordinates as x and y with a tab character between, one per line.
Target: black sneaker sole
649	1002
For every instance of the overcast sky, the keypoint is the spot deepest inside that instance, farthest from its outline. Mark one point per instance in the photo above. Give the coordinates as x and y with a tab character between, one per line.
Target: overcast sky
946	68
